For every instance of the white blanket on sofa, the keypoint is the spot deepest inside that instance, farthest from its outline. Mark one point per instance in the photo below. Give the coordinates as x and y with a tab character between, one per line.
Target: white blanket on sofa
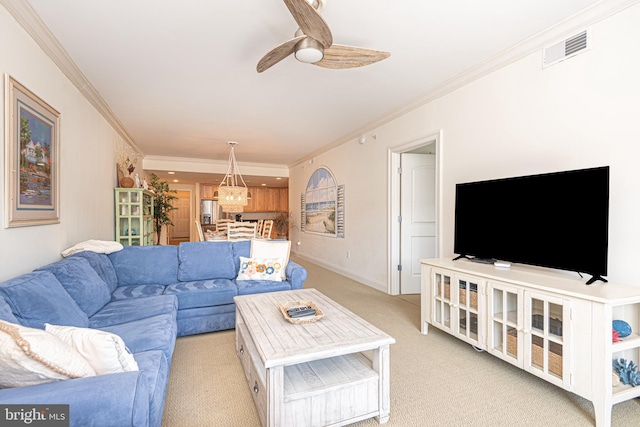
100	246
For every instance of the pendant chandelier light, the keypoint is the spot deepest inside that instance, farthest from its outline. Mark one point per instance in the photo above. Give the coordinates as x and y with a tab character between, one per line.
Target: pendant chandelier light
232	192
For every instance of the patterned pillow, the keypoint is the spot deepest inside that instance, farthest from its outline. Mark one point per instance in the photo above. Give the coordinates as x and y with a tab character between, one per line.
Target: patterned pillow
260	269
272	249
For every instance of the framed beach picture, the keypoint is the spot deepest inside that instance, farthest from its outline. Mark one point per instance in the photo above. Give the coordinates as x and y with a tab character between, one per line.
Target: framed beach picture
323	205
32	156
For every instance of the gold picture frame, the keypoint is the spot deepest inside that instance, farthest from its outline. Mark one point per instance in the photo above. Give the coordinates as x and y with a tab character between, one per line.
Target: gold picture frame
32	158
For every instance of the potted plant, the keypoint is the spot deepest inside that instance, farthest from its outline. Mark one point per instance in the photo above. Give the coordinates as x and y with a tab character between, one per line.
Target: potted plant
163	196
281	224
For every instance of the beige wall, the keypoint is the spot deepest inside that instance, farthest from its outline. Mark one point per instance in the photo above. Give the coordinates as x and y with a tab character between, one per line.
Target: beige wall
87	175
518	120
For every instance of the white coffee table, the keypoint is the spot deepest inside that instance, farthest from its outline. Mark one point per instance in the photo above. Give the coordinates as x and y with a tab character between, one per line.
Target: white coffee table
334	371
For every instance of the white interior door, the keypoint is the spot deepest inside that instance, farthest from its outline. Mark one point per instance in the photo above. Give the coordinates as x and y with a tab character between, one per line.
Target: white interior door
418	212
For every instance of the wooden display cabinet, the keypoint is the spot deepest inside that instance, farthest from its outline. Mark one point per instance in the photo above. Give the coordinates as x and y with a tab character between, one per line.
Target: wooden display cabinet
134	216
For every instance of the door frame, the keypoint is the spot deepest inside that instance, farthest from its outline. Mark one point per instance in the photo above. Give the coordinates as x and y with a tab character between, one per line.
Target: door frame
393	203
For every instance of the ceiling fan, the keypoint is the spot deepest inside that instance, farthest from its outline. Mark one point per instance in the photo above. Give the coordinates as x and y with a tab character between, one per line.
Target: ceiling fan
313	42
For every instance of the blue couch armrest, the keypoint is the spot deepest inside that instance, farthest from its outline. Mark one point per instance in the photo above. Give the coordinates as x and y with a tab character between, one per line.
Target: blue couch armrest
296	274
115	399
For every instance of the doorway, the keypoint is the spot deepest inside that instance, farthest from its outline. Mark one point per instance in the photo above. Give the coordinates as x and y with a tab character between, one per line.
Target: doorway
181	218
414	211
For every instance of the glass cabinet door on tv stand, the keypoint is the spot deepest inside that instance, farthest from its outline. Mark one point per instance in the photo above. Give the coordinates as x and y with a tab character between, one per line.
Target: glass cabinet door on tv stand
458	301
505	323
529	330
134	216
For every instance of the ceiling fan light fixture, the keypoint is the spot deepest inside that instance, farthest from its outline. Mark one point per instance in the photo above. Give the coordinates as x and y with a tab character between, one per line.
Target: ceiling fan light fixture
309	55
309	51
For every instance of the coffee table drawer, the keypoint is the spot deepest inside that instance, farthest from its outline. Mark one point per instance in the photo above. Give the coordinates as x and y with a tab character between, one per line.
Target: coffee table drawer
242	350
259	394
253	370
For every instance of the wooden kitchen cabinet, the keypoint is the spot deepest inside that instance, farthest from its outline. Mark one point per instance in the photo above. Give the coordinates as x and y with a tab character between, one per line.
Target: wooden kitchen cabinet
264	199
207	190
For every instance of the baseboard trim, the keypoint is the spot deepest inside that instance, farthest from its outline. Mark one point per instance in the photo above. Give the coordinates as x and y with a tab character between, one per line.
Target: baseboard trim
382	287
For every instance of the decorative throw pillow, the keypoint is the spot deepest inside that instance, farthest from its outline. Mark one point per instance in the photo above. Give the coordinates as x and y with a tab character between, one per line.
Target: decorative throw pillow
31	356
272	249
105	352
260	269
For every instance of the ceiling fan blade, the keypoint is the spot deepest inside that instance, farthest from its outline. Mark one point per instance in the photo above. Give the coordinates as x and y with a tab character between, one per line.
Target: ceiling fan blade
341	56
310	21
278	53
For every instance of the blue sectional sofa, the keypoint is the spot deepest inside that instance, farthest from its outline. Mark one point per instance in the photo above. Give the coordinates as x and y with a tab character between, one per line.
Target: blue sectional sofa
146	295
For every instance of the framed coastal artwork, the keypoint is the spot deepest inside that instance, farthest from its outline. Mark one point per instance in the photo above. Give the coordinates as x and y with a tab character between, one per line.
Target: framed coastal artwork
322	205
32	158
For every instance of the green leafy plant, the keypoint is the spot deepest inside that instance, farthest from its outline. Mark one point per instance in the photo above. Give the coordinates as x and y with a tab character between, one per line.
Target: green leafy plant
281	223
161	204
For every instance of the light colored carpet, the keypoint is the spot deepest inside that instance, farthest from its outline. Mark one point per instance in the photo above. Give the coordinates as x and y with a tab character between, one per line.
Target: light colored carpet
436	380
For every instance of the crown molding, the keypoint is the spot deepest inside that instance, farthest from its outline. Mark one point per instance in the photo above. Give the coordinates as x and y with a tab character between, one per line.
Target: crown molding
186	164
30	21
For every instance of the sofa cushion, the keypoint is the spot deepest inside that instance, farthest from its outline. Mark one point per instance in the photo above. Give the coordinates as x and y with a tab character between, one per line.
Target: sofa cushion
127	310
203	293
246	287
104	351
82	282
241	248
146	265
153	333
102	265
5	312
31	356
206	260
136	291
38	298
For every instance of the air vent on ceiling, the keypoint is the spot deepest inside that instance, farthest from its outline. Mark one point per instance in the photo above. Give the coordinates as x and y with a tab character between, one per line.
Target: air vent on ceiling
566	48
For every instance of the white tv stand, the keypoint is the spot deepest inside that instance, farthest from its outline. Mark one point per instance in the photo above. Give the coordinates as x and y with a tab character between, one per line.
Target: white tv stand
539	320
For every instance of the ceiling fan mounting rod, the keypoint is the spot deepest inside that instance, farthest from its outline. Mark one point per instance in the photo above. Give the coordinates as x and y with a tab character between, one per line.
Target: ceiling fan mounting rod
318	5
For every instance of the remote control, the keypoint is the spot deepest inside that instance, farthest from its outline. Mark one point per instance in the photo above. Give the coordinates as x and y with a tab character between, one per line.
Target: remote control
303	313
297	309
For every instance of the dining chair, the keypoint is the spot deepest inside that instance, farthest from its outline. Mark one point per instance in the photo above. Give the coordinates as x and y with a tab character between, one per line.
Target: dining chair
241	231
266	228
221	224
260	227
200	233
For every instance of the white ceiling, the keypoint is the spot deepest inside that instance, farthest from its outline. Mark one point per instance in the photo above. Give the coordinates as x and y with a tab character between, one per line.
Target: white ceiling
181	76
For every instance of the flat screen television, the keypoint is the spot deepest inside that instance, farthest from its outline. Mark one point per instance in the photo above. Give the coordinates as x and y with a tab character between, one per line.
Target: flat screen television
556	220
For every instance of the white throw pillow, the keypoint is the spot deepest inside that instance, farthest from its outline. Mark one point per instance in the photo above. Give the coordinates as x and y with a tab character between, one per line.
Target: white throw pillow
31	356
260	269
105	352
272	249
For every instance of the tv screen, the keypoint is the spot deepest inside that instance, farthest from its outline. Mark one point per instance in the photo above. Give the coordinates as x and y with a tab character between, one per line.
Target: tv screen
557	220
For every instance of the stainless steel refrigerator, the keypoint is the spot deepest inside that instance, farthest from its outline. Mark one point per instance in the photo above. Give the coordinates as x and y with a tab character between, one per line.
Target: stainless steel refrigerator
209	212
